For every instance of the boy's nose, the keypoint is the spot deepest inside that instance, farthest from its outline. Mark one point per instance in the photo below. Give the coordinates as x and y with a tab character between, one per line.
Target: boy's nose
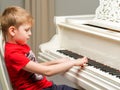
29	33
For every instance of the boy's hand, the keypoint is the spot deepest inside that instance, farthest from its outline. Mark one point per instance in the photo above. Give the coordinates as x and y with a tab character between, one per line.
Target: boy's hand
81	62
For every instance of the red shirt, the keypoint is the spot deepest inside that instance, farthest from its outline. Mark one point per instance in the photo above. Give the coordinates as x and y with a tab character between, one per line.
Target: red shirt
16	57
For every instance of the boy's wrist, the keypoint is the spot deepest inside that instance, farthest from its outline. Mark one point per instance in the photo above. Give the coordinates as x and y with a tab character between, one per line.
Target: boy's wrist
73	63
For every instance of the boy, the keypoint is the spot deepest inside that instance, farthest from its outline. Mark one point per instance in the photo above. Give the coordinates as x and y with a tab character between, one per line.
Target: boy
24	71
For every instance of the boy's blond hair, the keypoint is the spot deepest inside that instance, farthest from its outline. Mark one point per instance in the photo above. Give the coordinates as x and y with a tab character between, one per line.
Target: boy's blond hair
14	16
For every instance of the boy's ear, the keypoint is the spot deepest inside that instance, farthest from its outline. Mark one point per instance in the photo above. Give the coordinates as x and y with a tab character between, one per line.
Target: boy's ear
12	30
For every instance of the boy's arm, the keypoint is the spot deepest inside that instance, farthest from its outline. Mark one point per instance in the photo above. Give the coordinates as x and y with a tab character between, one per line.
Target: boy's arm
52	62
53	69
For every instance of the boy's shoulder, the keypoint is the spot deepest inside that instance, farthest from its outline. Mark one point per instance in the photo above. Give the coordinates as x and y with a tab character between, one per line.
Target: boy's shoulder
16	47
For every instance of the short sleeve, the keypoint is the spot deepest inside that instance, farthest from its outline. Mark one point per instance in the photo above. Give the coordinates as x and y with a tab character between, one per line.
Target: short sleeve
18	61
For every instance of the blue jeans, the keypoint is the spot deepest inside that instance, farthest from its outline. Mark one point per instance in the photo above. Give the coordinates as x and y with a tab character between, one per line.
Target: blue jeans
60	87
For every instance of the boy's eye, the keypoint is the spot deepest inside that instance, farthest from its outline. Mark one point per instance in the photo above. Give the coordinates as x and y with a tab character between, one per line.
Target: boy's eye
27	30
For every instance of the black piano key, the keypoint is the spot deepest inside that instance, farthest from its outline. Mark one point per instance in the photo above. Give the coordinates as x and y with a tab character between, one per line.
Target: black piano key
94	63
69	53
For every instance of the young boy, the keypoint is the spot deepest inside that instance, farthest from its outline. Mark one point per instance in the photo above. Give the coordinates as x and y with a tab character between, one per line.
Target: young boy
24	71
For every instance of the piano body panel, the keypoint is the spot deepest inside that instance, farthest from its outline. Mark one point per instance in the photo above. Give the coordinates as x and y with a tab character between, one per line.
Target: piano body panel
53	44
96	43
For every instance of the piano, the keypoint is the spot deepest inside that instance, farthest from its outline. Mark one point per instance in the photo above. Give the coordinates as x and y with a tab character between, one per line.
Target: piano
94	36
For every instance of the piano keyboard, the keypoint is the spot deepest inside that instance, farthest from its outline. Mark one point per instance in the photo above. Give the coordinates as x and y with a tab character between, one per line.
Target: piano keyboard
95	76
98	65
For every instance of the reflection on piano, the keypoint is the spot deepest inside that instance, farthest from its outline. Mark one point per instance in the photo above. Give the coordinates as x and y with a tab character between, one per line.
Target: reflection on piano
80	36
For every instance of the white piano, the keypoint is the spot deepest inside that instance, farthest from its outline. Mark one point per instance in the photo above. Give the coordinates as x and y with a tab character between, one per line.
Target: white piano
95	36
